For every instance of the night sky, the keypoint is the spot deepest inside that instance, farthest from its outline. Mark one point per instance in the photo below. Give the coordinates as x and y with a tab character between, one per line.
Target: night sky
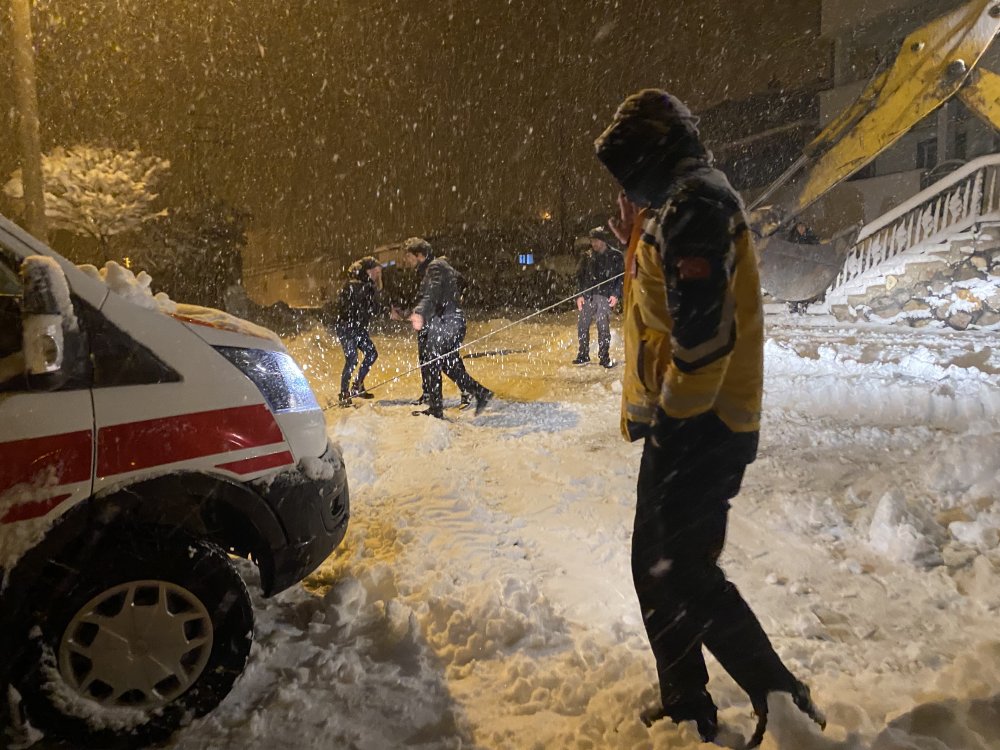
342	126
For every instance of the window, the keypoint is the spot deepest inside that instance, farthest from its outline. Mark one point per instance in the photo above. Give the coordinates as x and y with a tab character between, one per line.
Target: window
10	311
10	282
961	145
526	259
927	154
116	357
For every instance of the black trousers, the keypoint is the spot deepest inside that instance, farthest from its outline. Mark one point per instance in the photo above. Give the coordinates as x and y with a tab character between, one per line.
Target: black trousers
687	602
443	337
423	359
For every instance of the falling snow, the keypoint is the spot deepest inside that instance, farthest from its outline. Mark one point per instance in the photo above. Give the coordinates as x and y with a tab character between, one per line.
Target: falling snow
483	596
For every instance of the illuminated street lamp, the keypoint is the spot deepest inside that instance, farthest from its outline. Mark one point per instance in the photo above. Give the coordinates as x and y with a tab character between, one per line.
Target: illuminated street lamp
27	110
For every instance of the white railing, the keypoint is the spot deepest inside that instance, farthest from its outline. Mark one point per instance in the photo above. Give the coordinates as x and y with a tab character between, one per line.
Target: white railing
968	196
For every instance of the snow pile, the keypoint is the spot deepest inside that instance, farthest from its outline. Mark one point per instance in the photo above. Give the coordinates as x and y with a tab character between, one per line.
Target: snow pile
45	282
983	534
213	318
495	618
321	469
969	296
898	385
903	531
134	288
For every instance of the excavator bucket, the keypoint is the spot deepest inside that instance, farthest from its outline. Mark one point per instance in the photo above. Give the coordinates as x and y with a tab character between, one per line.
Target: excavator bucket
795	272
935	62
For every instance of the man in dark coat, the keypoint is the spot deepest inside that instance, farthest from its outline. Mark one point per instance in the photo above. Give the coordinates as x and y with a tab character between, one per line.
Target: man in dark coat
359	300
598	278
693	306
801	234
438	317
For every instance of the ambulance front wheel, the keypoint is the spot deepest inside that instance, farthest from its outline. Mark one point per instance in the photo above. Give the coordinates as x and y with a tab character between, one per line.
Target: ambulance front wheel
135	638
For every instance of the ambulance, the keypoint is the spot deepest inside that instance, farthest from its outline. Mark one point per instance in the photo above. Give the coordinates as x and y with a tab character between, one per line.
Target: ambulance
144	447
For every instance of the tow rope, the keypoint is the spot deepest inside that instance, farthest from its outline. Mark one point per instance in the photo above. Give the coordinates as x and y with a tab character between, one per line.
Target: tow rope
487	335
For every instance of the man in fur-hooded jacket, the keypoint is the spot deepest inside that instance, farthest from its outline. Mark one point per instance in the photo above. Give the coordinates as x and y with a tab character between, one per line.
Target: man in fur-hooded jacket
692	390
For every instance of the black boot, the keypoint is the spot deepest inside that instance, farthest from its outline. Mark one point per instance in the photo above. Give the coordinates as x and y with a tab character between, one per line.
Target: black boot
581	359
344	400
430	411
435	408
802	700
482	400
466	401
359	391
701	710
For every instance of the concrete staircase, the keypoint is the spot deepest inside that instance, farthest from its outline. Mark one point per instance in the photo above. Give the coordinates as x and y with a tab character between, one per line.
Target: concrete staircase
934	258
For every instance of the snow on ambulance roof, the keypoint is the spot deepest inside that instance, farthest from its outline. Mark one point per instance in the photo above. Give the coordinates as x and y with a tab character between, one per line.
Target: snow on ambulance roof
136	289
209	316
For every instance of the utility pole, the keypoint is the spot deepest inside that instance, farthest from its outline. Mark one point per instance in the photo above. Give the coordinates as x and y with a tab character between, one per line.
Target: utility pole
27	112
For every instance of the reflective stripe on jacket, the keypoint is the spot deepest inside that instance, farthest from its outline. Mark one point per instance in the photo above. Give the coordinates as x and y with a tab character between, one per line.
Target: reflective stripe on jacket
693	319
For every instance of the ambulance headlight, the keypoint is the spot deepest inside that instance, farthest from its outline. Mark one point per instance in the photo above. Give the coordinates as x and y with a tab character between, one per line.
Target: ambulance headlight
276	375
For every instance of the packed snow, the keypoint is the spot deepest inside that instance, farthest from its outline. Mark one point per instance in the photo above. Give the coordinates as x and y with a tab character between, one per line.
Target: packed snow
483	595
137	289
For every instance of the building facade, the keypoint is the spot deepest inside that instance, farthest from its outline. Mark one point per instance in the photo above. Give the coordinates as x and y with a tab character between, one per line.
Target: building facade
864	38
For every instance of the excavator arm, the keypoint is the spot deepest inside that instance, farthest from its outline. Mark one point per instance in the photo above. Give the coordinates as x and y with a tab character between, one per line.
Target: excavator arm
981	94
935	63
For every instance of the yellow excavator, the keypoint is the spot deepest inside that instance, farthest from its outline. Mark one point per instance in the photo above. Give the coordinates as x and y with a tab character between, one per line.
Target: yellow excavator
935	63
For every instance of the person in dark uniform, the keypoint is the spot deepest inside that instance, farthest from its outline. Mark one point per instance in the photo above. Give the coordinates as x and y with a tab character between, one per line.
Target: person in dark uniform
359	300
801	234
694	321
438	317
598	278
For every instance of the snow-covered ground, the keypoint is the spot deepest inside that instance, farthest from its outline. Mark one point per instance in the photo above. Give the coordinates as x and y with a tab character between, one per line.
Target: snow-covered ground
483	597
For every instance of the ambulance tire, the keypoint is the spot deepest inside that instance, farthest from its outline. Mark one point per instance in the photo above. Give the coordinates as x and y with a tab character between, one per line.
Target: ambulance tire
201	571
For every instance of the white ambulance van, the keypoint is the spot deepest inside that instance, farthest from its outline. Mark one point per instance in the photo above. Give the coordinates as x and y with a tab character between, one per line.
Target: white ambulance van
140	452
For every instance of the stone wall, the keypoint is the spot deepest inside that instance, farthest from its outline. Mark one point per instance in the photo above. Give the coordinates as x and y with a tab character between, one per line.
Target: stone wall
957	286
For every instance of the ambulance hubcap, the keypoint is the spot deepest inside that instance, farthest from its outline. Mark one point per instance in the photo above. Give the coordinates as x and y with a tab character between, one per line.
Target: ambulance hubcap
138	645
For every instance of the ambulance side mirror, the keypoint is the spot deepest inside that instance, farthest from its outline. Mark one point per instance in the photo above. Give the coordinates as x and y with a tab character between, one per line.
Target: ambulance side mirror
47	319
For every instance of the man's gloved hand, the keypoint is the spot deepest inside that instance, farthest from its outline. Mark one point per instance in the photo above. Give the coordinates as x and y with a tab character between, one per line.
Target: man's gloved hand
621	225
666	431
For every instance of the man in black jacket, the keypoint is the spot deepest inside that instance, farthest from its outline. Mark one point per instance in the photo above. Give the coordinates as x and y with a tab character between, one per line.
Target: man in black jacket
438	318
598	278
359	300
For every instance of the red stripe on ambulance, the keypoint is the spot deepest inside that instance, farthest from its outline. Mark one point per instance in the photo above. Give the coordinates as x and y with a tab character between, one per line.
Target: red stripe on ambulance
32	509
258	463
50	460
133	446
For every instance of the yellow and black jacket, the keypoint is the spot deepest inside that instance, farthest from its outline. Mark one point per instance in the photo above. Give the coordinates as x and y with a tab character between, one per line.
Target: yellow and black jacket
693	324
